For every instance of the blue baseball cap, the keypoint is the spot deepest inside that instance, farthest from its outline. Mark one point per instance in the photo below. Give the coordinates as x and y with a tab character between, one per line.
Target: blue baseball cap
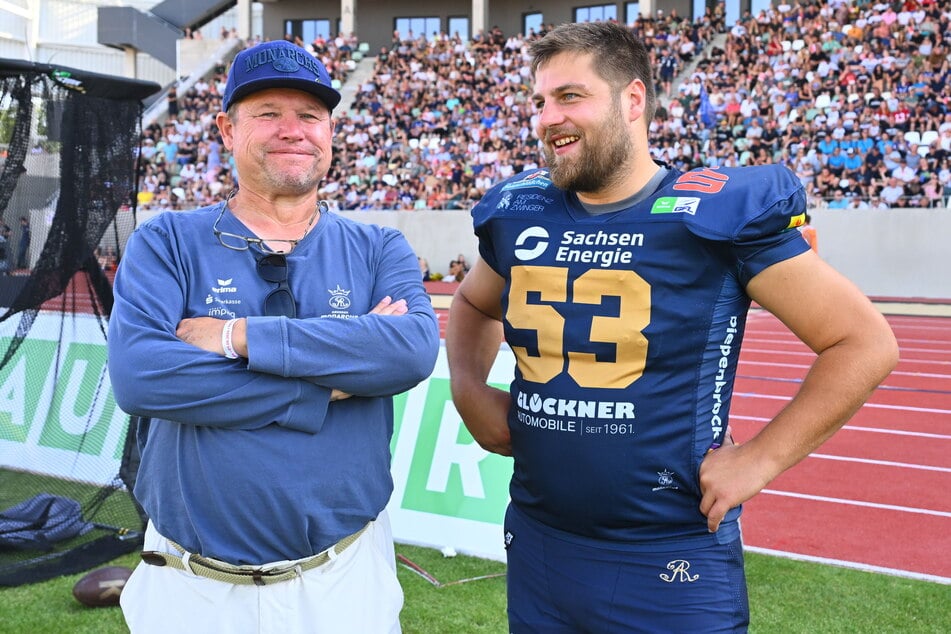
278	64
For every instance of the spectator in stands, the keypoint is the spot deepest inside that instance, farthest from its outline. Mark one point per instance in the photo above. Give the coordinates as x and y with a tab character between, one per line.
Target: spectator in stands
424	269
252	450
456	271
852	166
931	189
5	234
839	201
944	178
904	172
23	246
915	157
826	182
836	162
667	67
893	193
873	157
172	99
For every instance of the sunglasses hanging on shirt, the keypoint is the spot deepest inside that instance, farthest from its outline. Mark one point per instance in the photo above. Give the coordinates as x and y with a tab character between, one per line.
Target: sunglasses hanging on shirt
280	301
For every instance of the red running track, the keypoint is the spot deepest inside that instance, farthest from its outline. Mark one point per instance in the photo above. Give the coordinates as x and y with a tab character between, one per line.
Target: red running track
875	496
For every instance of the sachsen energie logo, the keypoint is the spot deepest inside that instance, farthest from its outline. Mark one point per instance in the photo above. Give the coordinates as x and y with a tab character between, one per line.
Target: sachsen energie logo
603	248
531	243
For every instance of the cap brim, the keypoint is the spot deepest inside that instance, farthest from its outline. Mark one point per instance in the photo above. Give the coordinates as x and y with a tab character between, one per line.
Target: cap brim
325	93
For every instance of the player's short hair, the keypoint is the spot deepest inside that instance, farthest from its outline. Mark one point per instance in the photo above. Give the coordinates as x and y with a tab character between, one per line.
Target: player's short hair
619	56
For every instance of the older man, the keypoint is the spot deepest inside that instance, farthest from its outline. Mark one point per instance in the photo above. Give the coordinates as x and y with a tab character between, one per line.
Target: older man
262	339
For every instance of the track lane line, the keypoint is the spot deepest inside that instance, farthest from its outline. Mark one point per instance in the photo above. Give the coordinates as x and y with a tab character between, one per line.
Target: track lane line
796	366
903	408
872	505
842	563
883	463
873	430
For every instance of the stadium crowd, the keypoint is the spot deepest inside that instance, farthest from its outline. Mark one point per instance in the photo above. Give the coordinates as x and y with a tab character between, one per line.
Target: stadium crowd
854	97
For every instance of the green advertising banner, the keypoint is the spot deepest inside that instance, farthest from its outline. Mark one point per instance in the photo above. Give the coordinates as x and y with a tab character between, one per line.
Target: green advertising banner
58	415
448	490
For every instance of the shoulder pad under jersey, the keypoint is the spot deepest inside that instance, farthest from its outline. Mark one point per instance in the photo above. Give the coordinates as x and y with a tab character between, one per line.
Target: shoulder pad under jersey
738	204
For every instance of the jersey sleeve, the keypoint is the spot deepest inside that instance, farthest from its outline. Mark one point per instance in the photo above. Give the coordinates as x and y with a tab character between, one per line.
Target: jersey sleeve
756	214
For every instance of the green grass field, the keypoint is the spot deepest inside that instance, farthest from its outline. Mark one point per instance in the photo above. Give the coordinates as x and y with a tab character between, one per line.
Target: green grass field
786	597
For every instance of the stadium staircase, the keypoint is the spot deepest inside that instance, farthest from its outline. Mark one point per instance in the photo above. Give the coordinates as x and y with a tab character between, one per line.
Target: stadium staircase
157	31
718	41
362	73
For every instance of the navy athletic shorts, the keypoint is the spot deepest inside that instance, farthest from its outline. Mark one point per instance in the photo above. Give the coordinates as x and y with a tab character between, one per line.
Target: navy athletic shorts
561	586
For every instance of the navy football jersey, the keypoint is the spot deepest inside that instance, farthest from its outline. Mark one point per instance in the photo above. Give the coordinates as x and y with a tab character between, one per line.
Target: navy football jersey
626	328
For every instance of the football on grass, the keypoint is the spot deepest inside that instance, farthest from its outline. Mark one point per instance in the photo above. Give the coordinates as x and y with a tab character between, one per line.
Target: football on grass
102	587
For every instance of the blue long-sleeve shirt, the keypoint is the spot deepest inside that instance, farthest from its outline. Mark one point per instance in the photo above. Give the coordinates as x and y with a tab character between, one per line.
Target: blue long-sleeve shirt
247	460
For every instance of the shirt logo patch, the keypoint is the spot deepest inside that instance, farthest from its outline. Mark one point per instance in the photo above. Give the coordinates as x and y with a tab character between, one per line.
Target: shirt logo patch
529	202
538	180
665	480
339	298
797	221
679	571
676	205
220	297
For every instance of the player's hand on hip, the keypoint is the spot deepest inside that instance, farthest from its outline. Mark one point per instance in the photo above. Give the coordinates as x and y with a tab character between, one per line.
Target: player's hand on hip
729	476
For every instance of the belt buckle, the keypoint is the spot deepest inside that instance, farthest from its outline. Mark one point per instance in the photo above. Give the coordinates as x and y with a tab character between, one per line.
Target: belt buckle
261	576
152	558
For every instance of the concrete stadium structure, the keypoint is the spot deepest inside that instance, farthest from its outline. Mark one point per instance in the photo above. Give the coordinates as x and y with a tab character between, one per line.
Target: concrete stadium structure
897	253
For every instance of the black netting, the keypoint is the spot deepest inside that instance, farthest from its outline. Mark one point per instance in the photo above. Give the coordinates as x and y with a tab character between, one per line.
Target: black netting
68	146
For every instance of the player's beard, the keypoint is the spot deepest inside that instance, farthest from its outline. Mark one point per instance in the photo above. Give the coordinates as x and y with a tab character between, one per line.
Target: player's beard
605	152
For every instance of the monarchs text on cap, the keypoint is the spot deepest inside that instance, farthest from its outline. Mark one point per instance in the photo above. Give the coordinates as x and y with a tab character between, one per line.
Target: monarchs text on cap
285	60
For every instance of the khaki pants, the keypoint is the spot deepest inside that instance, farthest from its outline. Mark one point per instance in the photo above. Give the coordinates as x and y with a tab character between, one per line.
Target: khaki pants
357	592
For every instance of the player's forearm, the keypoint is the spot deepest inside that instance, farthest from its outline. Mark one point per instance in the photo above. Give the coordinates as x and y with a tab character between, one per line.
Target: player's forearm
484	410
472	341
371	355
855	346
472	345
841	379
